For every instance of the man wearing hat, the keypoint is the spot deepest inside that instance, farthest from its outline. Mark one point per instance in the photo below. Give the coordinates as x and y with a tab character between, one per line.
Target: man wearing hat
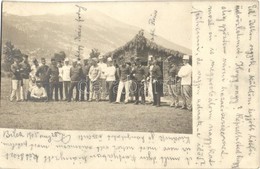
60	86
139	77
132	87
42	74
149	79
16	80
157	84
173	84
53	72
84	87
186	74
33	79
124	77
25	73
110	75
103	67
65	74
94	75
75	76
34	67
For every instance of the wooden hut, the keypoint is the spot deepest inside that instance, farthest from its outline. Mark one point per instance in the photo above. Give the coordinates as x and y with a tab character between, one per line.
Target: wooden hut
141	47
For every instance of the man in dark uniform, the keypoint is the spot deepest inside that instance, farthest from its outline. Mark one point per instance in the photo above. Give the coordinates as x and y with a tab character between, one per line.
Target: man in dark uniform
53	72
139	76
85	80
42	74
75	76
25	74
156	75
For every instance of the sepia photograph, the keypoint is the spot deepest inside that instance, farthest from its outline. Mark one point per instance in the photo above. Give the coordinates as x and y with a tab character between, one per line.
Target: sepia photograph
97	66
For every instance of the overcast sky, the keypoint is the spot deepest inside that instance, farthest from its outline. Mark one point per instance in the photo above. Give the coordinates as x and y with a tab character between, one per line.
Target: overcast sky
173	20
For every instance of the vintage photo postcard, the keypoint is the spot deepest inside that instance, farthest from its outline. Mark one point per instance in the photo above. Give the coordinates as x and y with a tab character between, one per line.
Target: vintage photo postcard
97	66
160	84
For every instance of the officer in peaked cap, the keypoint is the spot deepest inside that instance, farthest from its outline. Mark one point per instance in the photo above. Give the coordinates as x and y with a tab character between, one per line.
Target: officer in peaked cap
139	76
25	74
84	85
42	74
75	76
53	72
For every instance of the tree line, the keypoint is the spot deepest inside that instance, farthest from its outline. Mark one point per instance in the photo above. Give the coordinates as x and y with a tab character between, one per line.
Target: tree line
10	52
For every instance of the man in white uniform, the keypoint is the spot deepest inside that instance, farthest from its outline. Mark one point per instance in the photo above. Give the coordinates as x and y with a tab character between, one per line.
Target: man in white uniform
38	93
186	74
103	67
65	74
110	75
149	79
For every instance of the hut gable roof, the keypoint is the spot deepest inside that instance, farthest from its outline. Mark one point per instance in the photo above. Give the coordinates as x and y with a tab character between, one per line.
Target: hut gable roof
140	42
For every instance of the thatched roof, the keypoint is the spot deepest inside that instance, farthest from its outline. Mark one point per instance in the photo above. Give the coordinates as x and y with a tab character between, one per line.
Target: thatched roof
141	43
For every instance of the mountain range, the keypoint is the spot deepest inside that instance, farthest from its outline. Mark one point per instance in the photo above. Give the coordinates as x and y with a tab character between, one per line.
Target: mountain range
44	35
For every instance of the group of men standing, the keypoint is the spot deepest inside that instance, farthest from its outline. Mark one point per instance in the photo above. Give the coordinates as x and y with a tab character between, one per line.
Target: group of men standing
96	80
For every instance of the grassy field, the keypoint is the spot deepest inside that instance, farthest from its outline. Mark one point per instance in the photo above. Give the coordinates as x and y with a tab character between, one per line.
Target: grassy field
100	116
